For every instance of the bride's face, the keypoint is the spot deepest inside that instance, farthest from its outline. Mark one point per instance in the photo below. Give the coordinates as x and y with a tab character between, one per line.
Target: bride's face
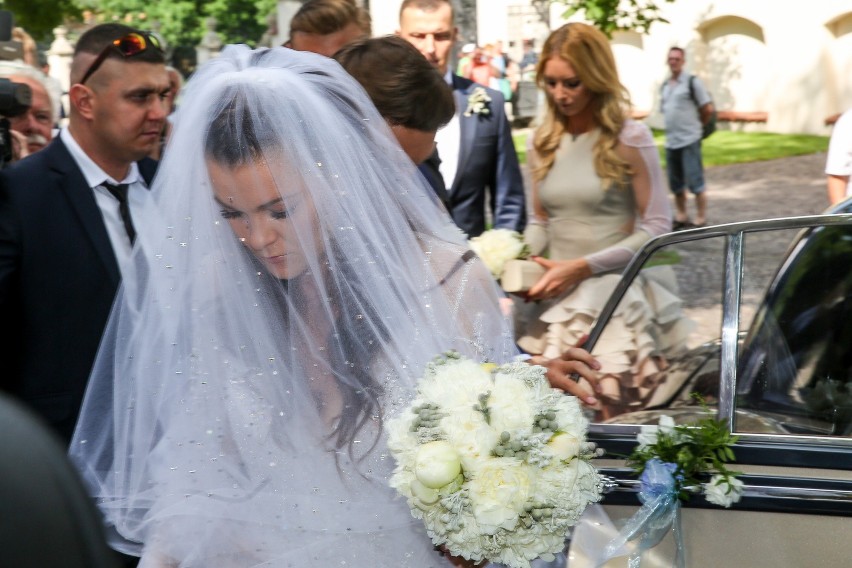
274	223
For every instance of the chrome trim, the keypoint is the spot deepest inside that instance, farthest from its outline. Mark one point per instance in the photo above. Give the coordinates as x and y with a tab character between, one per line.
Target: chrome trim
730	328
612	483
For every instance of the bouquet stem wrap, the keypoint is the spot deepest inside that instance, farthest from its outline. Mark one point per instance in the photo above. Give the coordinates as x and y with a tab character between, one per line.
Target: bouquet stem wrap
660	512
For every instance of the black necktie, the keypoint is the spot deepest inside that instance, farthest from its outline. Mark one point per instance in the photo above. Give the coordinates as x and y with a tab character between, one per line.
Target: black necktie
120	192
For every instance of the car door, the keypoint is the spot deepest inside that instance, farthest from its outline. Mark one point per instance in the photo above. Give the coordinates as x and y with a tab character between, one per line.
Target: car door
756	317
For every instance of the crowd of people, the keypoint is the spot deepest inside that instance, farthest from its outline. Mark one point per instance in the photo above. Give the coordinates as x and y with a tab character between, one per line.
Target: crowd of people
218	292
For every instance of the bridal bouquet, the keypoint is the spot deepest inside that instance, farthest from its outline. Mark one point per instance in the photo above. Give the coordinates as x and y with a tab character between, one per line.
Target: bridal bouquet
493	460
504	252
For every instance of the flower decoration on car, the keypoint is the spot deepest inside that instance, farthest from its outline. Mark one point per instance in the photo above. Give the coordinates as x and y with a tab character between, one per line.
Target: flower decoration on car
478	102
675	462
692	452
493	460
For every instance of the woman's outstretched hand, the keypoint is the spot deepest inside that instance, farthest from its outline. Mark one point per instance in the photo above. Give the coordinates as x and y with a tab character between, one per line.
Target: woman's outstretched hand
574	361
560	276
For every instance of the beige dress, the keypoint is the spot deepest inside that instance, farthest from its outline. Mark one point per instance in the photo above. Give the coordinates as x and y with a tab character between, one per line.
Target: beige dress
602	224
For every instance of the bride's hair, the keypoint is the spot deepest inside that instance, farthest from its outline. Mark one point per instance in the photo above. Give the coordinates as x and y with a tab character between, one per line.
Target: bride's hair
238	138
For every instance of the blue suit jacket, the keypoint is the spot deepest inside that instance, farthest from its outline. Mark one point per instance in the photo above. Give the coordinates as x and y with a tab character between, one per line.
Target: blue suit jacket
488	170
58	279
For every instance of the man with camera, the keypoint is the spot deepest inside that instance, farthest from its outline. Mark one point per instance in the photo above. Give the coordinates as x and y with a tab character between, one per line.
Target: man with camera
31	126
66	226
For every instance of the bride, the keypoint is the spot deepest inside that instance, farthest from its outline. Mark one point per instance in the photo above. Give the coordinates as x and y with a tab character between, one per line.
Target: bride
235	414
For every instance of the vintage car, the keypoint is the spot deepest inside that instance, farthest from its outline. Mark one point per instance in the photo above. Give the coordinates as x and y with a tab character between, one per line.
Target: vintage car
768	346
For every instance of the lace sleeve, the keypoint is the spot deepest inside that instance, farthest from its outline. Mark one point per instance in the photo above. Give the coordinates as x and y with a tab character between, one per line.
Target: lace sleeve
653	212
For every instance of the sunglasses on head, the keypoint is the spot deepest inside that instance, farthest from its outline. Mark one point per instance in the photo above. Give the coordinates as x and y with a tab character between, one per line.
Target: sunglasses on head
132	44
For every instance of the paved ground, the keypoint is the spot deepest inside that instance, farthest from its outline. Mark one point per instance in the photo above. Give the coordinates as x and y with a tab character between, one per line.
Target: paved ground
743	192
761	190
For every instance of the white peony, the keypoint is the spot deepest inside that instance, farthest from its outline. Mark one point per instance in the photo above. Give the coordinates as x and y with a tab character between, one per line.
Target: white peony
509	404
498	493
496	246
470	436
436	464
456	385
720	491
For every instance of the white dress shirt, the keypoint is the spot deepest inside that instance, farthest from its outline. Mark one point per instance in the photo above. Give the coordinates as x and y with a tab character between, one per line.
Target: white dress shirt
137	191
448	142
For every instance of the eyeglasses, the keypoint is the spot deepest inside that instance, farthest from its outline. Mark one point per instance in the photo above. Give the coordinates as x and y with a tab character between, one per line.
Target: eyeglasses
132	44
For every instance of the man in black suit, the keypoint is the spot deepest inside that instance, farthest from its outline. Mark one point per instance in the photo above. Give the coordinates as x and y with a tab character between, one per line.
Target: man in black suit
477	155
65	221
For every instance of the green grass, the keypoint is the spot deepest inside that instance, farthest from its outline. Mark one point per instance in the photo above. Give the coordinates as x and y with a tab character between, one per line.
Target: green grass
726	147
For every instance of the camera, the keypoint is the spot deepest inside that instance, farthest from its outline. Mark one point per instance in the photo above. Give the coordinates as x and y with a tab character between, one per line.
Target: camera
15	98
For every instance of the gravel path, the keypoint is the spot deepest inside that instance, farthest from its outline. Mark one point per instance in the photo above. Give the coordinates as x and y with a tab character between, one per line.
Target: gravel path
763	190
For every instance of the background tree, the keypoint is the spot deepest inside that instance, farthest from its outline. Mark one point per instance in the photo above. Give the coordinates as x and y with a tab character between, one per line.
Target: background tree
39	17
181	22
617	15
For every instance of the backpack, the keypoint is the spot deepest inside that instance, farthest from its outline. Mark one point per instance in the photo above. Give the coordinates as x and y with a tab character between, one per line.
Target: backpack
710	127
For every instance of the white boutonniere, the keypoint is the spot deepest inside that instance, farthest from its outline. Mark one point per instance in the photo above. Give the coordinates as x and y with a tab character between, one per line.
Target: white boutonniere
478	103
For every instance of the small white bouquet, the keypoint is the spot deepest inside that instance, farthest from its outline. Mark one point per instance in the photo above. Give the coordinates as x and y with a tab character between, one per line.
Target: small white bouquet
504	252
493	460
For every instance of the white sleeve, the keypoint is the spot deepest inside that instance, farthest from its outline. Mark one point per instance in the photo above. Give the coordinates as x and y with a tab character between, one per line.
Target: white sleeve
657	217
839	161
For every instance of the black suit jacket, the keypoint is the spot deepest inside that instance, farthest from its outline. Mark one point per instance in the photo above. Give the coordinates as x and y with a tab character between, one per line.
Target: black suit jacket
488	170
58	279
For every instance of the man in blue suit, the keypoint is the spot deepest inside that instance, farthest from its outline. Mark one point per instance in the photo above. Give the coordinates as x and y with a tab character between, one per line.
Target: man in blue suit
66	224
478	161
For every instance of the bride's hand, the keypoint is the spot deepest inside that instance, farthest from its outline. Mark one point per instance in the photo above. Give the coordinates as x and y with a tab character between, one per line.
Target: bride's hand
560	276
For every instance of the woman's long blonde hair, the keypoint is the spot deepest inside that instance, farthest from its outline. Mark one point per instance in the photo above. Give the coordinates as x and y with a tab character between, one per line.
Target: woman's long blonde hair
588	51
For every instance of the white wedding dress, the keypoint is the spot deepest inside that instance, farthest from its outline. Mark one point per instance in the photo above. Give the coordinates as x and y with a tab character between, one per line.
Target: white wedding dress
234	419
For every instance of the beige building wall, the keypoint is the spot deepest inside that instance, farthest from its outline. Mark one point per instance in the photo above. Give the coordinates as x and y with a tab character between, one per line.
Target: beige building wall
756	56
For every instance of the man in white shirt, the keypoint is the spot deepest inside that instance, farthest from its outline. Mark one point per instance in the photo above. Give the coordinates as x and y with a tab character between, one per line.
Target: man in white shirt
66	225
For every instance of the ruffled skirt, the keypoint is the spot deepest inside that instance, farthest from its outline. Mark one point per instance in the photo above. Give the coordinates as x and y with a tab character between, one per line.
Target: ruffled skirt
646	330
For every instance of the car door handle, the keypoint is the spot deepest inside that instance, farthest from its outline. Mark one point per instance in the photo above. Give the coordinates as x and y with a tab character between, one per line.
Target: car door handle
612	483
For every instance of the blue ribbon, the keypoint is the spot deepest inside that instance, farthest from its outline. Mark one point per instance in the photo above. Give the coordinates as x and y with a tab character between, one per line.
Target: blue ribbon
659	513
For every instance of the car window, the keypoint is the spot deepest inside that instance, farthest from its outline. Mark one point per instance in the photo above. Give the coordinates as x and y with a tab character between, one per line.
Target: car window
660	343
792	327
795	363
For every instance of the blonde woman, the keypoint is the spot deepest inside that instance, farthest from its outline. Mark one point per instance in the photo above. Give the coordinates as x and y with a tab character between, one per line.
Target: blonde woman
598	195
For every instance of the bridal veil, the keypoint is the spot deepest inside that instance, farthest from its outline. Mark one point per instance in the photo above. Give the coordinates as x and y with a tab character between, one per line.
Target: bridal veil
234	415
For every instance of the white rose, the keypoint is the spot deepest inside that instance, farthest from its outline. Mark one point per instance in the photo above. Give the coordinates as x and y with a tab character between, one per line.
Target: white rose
498	493
723	492
648	434
436	464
